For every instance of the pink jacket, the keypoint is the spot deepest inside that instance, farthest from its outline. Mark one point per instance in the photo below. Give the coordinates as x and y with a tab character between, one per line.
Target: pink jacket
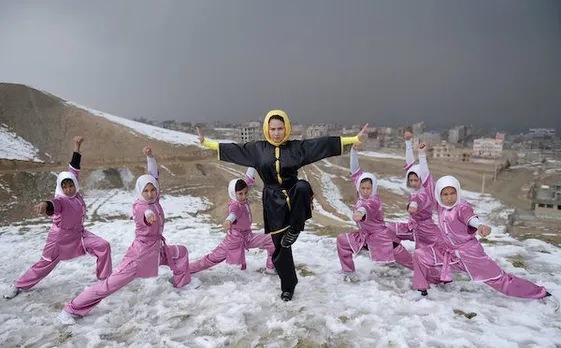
458	241
65	236
238	235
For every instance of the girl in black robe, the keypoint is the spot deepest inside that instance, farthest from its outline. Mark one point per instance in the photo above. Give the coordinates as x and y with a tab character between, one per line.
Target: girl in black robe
286	199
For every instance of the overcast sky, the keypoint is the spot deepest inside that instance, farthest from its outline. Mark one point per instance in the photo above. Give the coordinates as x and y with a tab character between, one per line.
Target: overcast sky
494	63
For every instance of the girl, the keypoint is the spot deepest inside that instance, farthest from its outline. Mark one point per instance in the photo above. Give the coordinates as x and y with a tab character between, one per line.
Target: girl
239	237
420	227
372	233
147	252
67	237
286	199
458	249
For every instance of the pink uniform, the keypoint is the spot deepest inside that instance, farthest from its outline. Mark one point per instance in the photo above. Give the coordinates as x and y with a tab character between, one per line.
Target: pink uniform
143	258
239	238
372	233
458	249
67	238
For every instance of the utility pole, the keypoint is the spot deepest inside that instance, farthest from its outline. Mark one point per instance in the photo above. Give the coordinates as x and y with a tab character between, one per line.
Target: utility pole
483	185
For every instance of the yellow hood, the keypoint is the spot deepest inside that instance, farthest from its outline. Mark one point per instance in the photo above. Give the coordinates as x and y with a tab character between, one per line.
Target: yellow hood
287	127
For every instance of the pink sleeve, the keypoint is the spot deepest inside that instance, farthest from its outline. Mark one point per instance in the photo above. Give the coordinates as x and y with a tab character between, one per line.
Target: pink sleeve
465	213
138	216
371	205
428	184
249	180
74	171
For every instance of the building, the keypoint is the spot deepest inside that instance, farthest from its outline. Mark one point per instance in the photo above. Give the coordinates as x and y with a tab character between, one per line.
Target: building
250	131
487	148
317	130
418	128
448	151
546	201
430	139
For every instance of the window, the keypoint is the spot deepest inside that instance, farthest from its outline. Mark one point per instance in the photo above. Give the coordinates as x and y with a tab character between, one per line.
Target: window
541	205
550	206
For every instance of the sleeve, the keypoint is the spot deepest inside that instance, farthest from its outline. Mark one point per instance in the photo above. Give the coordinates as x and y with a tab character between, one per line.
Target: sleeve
147	213
74	166
474	222
313	150
233	211
362	210
370	207
354	165
250	176
423	167
152	167
139	218
241	154
409	157
213	145
231	217
51	208
465	215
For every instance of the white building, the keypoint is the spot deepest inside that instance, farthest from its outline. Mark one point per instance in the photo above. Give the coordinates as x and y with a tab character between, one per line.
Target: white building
430	139
250	132
317	130
487	147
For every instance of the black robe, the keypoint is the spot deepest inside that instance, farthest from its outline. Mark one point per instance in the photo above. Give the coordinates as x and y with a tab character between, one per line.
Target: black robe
280	178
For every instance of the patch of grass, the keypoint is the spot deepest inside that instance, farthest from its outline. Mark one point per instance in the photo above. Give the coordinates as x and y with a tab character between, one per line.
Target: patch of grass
488	241
465	314
64	337
22	230
517	261
182	317
550	238
343	319
304	271
307	343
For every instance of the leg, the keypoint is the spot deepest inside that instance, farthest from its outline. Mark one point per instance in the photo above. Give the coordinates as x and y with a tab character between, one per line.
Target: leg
300	209
263	241
345	253
511	285
101	249
402	256
424	268
90	297
36	273
179	264
284	264
209	260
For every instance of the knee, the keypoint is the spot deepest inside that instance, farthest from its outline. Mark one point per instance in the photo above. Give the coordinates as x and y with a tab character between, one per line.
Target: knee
104	245
304	186
183	252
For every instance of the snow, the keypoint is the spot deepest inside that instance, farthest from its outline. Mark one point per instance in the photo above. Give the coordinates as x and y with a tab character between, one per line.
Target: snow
242	308
381	155
158	133
14	147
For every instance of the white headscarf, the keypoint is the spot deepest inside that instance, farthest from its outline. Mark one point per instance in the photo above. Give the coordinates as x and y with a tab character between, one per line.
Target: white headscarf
370	176
141	183
441	184
63	176
417	170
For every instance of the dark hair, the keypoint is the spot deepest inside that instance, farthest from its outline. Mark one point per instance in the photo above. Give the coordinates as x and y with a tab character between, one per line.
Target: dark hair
240	185
67	182
365	180
276	117
412	173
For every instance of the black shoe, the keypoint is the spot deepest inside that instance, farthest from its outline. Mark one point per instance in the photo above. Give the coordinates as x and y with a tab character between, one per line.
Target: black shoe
289	237
286	296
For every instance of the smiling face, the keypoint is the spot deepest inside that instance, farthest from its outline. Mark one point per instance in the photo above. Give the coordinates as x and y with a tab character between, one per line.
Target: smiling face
149	193
276	130
448	196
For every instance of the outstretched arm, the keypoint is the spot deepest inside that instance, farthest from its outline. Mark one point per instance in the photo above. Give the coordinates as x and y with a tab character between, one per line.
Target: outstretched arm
250	176
244	155
423	165
151	165
354	165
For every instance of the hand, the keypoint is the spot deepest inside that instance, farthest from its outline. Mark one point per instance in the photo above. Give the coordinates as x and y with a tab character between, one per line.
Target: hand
357	146
408	135
422	148
41	208
412	210
147	151
484	230
151	218
78	140
201	136
357	216
363	134
227	224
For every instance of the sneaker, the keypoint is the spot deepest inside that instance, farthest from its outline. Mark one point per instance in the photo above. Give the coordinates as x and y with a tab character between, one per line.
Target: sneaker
351	277
271	271
289	237
12	292
417	295
65	318
286	296
550	301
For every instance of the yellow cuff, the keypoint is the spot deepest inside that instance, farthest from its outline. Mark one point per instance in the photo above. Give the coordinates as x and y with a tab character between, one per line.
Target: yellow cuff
349	140
213	145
